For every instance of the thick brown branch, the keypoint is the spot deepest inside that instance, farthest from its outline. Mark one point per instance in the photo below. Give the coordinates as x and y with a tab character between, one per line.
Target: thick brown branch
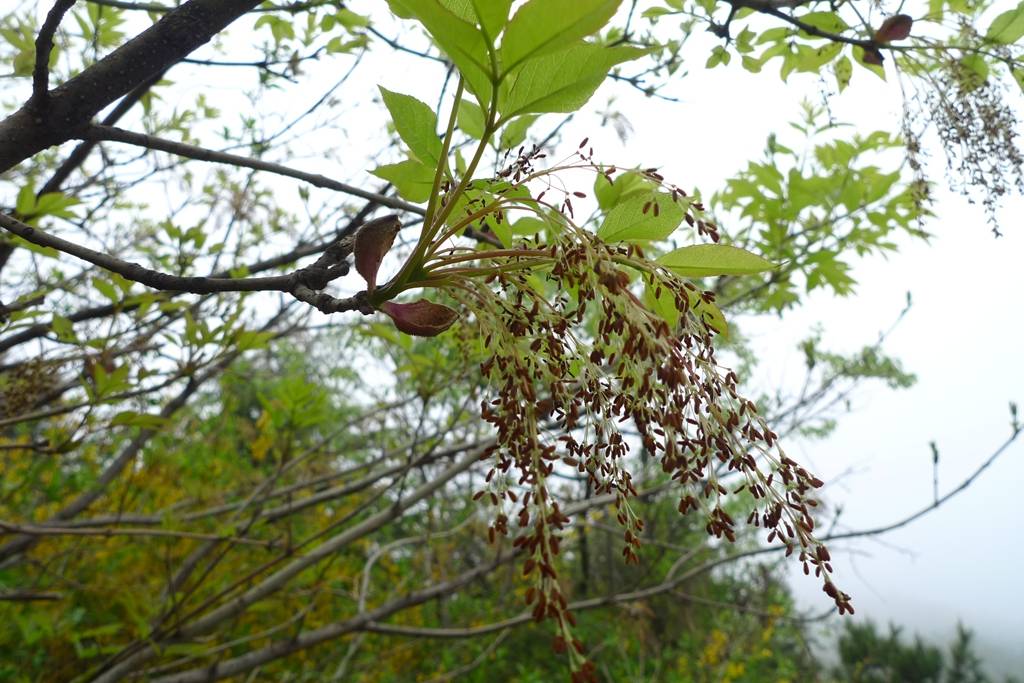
301	283
157	8
73	104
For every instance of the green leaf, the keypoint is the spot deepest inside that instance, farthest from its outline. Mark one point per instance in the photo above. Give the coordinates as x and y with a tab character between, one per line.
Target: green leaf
107	289
413	179
1008	27
976	72
48	252
336	45
844	72
829	22
541	27
561	82
25	204
502	230
471	119
660	302
459	39
63	328
708	260
719	55
463	9
529	226
416	124
774	35
252	339
55	204
350	19
611	192
628	222
515	132
1018	75
810	59
712	316
492	15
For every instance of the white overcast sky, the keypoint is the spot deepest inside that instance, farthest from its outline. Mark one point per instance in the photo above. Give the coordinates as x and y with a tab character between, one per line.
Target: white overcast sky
963	337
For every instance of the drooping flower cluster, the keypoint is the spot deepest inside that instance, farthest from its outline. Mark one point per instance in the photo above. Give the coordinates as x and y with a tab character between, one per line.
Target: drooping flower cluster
574	365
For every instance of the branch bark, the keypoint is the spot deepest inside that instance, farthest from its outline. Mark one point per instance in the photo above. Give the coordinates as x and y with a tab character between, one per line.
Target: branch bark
111	133
44	46
73	104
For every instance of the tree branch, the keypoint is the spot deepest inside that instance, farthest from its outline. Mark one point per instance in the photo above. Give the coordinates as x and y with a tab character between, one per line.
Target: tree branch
158	8
188	151
72	104
938	501
44	46
109	532
300	283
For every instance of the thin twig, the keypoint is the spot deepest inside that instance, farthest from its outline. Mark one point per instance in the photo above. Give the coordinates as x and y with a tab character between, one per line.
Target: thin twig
202	154
44	46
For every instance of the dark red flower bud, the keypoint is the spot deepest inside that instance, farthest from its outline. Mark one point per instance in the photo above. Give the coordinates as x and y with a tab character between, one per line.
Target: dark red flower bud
372	242
421	318
894	28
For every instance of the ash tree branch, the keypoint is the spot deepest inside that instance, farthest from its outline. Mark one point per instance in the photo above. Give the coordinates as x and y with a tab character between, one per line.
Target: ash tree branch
772	10
30	596
1017	430
140	274
72	105
93	312
158	8
44	46
113	134
301	283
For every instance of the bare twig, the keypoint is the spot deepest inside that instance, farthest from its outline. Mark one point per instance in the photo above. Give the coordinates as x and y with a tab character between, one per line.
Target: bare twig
202	154
109	532
44	46
30	596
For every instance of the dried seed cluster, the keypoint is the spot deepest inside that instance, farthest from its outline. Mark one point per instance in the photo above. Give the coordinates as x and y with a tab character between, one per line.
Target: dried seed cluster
979	133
